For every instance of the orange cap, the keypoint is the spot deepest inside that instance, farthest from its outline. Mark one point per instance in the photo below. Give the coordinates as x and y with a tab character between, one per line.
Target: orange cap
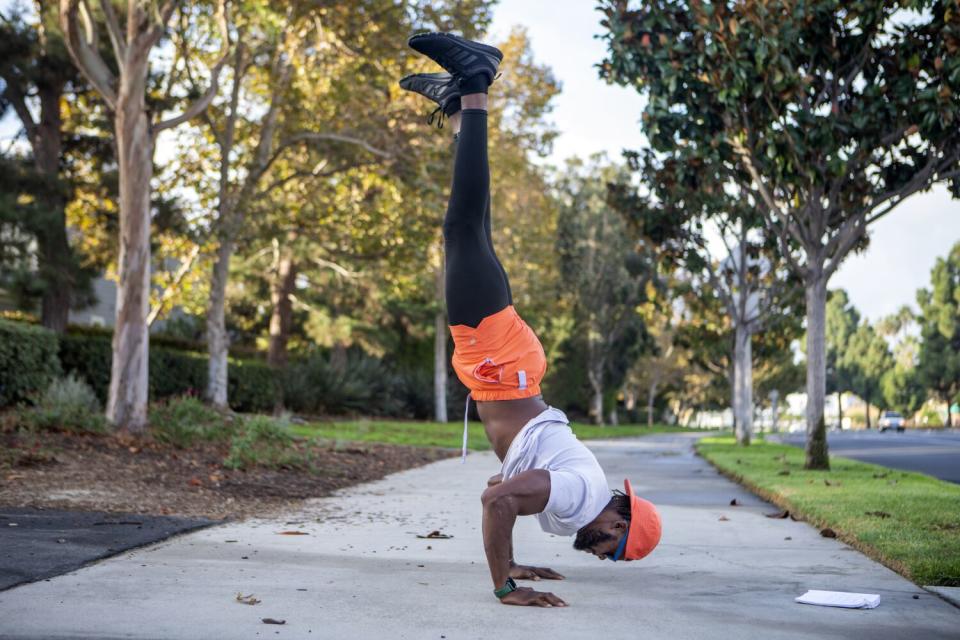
644	533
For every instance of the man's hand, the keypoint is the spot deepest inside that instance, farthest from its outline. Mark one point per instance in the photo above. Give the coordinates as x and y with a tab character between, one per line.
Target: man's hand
524	572
527	597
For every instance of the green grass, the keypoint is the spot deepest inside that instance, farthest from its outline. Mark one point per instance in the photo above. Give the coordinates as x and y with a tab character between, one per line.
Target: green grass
449	435
908	521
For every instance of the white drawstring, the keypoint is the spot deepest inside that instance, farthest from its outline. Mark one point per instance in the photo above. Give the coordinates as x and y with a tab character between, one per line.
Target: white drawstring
466	413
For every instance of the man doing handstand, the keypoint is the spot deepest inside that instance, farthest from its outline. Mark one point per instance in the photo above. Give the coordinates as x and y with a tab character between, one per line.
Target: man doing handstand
546	471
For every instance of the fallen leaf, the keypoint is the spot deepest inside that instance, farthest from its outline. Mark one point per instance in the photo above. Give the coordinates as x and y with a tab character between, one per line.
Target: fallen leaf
196	482
292	533
724	519
273	621
250	599
828	533
879	514
133	450
779	515
435	535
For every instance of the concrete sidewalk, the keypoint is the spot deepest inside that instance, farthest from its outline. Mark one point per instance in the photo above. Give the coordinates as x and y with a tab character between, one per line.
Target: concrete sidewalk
362	572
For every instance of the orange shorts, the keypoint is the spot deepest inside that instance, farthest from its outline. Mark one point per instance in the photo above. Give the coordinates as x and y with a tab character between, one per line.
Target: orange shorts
500	359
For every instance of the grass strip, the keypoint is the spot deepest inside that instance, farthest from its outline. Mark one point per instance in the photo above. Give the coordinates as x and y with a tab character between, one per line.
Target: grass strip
448	434
908	521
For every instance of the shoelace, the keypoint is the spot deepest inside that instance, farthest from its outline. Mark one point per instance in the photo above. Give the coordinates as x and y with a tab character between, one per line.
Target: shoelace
440	119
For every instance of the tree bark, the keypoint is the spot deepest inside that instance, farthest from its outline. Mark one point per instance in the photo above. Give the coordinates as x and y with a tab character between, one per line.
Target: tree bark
52	244
651	396
281	315
840	409
867	402
128	395
440	353
816	447
743	384
596	401
218	342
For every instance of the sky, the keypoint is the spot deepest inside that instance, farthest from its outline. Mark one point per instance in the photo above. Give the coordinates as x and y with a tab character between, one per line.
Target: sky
593	116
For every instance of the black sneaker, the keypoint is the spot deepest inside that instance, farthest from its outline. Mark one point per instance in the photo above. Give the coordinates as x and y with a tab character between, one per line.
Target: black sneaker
461	57
440	87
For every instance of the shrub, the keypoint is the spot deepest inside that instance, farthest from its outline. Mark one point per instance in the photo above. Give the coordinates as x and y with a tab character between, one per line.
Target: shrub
89	357
176	373
252	386
322	384
28	361
183	421
172	372
69	404
264	442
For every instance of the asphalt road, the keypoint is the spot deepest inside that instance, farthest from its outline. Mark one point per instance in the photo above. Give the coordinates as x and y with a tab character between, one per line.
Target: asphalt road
36	544
936	453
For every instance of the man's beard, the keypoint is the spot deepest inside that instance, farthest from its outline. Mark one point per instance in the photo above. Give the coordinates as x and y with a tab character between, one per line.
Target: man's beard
589	538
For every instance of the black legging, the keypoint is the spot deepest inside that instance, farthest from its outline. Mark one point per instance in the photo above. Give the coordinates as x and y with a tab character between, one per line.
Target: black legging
477	285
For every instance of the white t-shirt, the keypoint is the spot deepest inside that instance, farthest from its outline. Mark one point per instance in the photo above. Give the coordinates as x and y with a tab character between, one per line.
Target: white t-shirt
578	487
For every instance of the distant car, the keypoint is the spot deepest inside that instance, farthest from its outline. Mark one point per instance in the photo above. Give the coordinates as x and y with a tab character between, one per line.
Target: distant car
890	420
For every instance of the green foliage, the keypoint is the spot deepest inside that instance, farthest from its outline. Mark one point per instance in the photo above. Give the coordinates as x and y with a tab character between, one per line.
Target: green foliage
902	390
184	420
261	441
28	361
252	385
69	404
172	372
338	383
918	537
938	366
868	357
841	324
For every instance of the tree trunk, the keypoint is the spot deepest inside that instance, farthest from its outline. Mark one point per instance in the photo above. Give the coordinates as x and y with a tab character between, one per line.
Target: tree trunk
743	385
596	400
54	249
281	315
57	267
218	342
868	413
651	396
817	456
129	384
440	353
840	409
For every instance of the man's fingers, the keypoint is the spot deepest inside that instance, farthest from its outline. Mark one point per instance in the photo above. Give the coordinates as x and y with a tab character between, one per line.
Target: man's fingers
549	574
555	601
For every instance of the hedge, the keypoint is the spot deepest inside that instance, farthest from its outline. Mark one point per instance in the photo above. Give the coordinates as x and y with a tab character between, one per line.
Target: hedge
172	372
28	361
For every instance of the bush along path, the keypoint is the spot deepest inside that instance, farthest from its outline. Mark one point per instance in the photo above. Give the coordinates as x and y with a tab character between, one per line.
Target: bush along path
908	521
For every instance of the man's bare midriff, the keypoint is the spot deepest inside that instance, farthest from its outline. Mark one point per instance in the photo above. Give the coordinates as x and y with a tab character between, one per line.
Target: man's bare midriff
503	419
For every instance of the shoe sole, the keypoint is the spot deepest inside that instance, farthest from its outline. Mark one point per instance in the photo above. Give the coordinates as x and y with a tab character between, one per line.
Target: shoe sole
469	45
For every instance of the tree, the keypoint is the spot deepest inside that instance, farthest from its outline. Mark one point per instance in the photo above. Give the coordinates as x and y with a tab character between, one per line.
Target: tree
829	113
841	321
135	130
868	356
37	76
601	271
938	366
699	221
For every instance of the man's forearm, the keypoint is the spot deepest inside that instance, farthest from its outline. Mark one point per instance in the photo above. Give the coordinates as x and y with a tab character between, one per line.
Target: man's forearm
499	516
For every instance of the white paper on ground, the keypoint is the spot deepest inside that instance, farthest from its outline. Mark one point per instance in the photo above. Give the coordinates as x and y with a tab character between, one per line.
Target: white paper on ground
843	599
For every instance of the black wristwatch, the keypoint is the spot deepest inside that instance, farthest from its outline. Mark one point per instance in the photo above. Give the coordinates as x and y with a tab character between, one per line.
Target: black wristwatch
508	587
